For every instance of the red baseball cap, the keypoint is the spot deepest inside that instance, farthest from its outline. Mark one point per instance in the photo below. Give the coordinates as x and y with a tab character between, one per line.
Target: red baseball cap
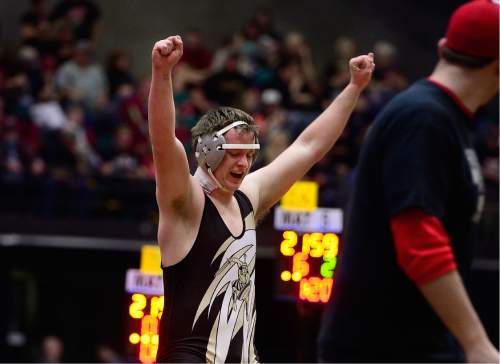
473	29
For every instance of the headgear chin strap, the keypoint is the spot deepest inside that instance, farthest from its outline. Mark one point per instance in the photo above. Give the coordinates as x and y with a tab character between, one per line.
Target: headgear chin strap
210	148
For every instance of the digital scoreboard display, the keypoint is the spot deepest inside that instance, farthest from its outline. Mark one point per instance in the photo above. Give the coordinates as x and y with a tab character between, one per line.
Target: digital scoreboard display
309	246
307	264
144	289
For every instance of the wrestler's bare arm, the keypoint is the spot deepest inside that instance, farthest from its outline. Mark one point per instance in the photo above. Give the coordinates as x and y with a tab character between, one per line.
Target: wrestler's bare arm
268	184
170	160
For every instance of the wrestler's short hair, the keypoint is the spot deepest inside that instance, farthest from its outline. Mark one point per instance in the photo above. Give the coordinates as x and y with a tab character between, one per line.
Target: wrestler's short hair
216	119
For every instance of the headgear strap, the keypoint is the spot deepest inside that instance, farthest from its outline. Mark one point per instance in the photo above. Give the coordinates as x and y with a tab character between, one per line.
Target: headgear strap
236	146
210	148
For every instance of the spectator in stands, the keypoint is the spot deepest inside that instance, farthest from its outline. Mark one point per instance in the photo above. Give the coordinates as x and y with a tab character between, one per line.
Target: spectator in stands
297	49
80	141
196	62
264	21
63	43
119	75
12	156
196	54
17	93
82	15
106	354
271	111
132	112
249	50
46	112
124	163
231	45
336	73
52	350
81	79
36	17
227	86
34	25
388	72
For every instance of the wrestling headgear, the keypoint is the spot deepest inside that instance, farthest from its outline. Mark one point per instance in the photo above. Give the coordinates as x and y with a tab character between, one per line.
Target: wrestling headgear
210	148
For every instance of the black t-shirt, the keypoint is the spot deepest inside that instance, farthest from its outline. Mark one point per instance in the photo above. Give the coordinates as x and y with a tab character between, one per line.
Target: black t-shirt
209	313
418	153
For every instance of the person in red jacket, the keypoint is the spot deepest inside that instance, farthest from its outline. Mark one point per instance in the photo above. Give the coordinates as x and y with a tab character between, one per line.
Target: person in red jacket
417	199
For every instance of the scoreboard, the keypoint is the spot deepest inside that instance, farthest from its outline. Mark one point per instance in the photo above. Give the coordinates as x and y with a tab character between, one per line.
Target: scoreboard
313	260
144	288
309	246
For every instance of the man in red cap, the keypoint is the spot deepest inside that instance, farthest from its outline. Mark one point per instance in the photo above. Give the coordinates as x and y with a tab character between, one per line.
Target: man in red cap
418	196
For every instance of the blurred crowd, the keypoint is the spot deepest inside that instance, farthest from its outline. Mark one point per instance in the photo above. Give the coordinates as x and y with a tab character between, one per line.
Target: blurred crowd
67	119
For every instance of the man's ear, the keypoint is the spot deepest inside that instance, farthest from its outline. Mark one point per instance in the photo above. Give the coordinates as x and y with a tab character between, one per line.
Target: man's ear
440	45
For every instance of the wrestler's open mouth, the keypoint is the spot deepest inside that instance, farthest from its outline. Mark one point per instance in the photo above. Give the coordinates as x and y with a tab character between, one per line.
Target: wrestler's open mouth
236	175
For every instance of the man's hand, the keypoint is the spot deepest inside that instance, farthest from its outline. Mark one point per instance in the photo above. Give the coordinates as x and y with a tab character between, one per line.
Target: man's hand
361	70
166	53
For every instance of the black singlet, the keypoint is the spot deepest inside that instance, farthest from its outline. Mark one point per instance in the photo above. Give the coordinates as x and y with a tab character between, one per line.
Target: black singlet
209	314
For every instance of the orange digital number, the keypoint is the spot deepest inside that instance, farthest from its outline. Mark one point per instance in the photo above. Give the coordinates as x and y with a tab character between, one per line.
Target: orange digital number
287	245
316	245
325	289
309	289
137	306
300	264
149	339
330	245
156	306
315	289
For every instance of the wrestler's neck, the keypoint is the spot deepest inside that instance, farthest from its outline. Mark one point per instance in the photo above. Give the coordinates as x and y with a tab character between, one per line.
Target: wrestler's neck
222	195
212	187
468	85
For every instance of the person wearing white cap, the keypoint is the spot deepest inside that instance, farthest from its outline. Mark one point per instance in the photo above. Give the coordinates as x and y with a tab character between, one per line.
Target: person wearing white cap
417	201
207	221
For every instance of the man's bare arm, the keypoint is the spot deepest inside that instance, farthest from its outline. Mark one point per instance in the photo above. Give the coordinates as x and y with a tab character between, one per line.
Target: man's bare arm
171	165
450	301
267	185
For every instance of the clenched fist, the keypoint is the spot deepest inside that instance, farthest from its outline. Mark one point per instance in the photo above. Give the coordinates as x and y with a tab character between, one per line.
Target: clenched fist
361	70
166	53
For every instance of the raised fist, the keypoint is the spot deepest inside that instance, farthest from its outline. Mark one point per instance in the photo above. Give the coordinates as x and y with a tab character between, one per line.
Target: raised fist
361	68
166	53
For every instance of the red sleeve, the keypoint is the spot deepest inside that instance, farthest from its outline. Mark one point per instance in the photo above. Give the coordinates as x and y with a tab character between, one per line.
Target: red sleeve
422	246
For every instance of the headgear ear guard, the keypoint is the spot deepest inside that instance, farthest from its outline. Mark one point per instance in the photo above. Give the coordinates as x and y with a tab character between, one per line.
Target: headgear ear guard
210	148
